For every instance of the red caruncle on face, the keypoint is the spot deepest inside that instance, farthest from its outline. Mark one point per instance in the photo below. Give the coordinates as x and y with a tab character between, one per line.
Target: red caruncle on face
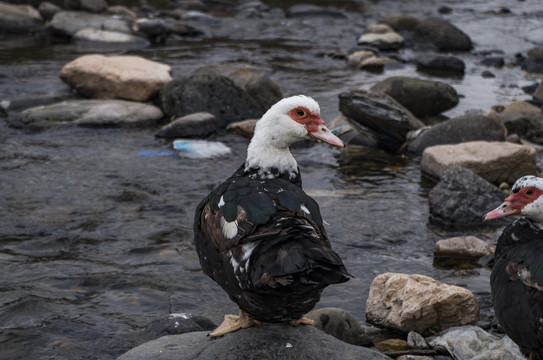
304	116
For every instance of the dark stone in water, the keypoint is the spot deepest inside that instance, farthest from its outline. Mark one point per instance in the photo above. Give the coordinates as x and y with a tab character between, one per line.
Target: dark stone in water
461	198
460	129
444	35
379	112
496	62
208	92
422	97
442	63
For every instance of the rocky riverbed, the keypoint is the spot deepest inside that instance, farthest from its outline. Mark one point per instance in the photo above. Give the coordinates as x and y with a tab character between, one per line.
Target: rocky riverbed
96	205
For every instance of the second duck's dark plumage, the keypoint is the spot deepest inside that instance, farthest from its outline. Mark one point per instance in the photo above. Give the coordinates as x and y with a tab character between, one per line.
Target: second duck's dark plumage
517	276
259	235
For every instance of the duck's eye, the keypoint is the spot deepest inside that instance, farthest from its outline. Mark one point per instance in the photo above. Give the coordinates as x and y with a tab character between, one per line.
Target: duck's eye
529	192
300	112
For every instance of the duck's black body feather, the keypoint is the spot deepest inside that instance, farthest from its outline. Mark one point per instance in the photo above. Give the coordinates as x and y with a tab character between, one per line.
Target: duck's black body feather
274	258
517	285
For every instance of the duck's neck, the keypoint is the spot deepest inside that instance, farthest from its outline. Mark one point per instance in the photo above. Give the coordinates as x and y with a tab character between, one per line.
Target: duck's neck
270	158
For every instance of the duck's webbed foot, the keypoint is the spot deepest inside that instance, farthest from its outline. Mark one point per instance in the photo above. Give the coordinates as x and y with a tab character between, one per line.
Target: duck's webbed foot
303	320
233	323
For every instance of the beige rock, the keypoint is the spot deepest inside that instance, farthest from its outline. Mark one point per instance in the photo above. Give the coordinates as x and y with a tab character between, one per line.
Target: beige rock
379	28
376	39
419	303
357	57
123	77
375	61
495	162
244	128
465	247
521	106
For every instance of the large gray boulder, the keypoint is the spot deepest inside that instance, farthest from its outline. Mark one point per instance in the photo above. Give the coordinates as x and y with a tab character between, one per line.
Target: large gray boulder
265	341
378	112
208	92
19	18
422	97
444	35
87	113
461	198
457	130
70	22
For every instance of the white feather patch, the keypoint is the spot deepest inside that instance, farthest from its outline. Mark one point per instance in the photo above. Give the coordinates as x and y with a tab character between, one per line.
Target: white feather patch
229	229
305	209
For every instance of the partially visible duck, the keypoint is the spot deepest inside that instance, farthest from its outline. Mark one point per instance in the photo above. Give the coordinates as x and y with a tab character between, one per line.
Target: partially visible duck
259	235
517	277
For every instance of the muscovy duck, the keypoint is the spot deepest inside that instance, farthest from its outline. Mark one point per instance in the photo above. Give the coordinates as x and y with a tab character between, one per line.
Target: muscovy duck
259	235
517	277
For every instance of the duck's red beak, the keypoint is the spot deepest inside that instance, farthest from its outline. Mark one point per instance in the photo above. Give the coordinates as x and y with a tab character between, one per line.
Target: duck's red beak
504	209
324	134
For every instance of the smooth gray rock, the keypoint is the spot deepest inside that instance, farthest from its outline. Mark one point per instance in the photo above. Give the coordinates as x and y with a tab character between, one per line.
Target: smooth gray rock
380	113
534	61
527	124
87	113
443	63
211	93
265	341
340	324
444	35
457	130
70	22
461	198
422	97
197	125
178	323
19	18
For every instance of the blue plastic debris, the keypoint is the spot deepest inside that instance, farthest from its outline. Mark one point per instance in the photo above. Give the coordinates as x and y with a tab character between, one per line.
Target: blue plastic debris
200	149
156	153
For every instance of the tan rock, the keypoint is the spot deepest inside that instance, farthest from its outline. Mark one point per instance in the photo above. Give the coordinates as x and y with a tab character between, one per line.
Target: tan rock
357	57
419	303
495	162
521	106
465	247
123	77
390	38
244	128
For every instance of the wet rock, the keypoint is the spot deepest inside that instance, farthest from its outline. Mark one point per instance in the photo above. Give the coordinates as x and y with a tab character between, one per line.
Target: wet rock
421	97
457	130
496	62
179	323
416	341
391	345
472	342
487	74
110	37
123	77
444	35
495	162
341	325
48	10
69	22
300	11
259	342
19	18
244	128
375	63
538	94
382	41
415	357
208	92
254	81
401	22
159	29
534	61
447	200
523	119
123	12
93	6
87	113
380	113
419	303
360	136
443	63
357	57
463	247
379	28
197	125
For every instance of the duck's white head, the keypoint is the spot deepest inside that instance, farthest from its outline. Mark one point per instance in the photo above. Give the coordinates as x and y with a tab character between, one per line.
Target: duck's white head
525	199
290	120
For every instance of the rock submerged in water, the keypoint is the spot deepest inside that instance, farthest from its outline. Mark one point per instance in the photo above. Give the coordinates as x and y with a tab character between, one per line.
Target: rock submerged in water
419	303
264	341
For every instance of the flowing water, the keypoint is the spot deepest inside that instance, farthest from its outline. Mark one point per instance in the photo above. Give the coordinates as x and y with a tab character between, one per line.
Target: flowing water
96	224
